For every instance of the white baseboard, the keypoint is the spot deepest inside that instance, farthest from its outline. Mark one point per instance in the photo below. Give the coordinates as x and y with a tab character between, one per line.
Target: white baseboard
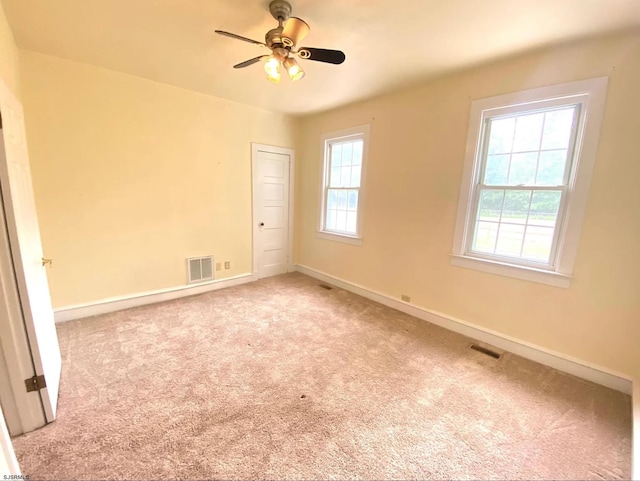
635	446
582	369
103	306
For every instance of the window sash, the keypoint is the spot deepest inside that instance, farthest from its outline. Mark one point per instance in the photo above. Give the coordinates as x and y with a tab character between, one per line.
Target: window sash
485	134
326	210
479	187
328	164
474	219
336	230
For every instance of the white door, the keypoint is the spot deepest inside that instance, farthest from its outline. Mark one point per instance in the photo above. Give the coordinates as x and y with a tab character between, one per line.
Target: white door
26	247
271	210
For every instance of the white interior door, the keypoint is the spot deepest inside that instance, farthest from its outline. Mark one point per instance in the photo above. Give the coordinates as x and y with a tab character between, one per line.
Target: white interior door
22	410
26	250
271	210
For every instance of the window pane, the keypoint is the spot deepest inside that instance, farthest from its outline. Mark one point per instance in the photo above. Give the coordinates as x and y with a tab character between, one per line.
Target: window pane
345	176
336	155
332	199
523	169
544	208
501	136
528	132
485	236
490	204
352	203
557	129
347	152
357	152
352	221
356	172
510	239
516	206
497	170
551	167
334	180
342	199
341	220
331	220
537	243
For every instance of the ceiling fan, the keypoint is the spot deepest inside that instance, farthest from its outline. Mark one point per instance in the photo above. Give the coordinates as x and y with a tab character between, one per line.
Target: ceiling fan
283	41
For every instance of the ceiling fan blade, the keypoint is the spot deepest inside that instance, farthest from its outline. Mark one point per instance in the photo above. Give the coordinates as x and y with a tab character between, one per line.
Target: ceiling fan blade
322	55
251	61
239	37
295	30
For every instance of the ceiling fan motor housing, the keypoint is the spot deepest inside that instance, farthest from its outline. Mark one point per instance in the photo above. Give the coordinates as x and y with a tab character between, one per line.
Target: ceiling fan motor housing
280	9
273	38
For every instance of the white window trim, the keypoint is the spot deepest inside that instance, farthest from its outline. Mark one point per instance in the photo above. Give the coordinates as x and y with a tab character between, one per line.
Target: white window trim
360	130
591	93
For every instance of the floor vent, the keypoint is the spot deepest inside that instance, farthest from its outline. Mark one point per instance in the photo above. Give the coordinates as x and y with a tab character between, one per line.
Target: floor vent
199	269
325	286
486	351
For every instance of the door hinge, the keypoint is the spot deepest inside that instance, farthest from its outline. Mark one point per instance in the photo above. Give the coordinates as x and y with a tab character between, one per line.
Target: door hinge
35	383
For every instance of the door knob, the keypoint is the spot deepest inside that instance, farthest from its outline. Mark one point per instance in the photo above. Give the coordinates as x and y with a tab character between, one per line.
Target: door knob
47	261
261	224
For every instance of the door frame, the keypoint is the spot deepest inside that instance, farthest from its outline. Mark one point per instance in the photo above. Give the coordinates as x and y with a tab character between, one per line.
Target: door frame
8	460
255	148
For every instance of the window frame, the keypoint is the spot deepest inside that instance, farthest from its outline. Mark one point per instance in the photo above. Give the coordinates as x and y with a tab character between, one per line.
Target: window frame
590	96
353	133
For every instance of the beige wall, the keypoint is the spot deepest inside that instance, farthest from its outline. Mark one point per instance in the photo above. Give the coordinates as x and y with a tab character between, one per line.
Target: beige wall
415	165
8	56
131	177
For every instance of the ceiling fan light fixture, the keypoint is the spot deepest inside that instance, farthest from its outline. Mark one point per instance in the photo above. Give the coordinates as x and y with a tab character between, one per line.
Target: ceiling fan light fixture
294	31
293	69
283	42
272	67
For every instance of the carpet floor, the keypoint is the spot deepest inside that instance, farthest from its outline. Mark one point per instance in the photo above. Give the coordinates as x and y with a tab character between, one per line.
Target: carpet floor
283	379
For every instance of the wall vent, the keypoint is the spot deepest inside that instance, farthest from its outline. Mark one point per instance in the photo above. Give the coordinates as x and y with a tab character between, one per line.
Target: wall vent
200	269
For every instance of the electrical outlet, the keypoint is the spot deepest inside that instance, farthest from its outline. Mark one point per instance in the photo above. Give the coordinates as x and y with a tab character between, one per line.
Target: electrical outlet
405	298
227	265
218	266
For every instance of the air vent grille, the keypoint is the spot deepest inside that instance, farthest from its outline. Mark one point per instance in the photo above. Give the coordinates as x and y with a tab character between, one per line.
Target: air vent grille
485	350
200	269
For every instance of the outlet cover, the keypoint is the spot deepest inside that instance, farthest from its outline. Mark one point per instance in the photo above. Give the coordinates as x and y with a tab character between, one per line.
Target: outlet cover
227	265
405	298
218	266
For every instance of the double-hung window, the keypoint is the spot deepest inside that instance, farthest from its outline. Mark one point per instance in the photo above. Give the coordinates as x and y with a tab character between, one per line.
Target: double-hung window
345	155
529	161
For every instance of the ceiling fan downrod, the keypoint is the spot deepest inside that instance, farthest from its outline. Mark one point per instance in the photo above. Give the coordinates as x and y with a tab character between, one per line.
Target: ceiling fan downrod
281	10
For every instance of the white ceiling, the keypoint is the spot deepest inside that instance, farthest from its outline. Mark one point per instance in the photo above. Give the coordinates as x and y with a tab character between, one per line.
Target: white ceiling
388	43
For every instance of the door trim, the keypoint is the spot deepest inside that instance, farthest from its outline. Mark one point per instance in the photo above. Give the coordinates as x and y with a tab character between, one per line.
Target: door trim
8	458
255	148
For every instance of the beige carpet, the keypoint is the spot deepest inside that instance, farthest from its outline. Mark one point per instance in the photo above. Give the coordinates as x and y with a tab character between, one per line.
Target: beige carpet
282	379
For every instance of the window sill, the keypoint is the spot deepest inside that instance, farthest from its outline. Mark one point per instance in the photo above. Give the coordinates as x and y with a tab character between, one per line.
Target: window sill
347	239
509	270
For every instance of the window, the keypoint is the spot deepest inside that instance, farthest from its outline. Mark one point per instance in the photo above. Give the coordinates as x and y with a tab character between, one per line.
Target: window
345	154
527	171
